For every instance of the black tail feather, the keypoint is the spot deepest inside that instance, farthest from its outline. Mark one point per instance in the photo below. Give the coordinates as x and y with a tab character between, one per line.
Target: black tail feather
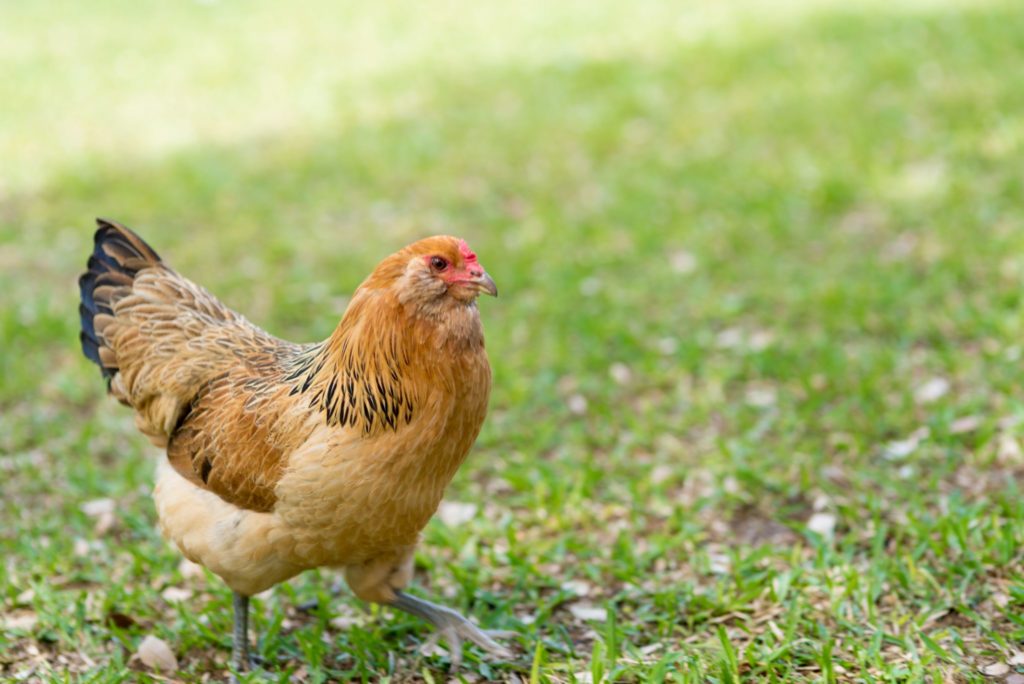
118	256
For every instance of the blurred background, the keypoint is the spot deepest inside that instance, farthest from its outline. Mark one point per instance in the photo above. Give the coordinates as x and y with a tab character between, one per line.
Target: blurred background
757	354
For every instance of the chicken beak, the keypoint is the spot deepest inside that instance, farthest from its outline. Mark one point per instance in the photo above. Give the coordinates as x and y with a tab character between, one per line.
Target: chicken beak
486	284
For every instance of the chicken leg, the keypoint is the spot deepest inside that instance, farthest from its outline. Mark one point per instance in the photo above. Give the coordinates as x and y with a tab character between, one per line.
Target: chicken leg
240	641
453	627
382	580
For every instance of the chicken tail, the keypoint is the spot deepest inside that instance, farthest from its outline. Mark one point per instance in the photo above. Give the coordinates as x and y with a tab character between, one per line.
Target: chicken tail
117	258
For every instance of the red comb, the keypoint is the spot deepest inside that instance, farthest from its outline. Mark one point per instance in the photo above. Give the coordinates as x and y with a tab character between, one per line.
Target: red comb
467	253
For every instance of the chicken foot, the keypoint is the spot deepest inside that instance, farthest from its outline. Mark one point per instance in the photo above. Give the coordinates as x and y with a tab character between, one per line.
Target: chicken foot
382	580
452	627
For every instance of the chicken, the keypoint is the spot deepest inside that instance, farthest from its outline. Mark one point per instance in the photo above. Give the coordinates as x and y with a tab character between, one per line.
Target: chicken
283	457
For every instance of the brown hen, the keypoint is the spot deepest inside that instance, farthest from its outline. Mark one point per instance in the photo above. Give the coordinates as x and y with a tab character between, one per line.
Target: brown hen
283	457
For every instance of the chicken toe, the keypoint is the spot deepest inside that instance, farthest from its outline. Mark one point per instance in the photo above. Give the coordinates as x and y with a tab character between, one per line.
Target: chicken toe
453	627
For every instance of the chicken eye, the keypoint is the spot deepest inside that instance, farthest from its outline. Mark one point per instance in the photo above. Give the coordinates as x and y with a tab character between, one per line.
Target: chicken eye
438	263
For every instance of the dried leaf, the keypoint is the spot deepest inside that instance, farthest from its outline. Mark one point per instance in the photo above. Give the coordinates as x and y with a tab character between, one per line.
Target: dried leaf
965	424
761	397
931	391
719	563
586	611
577	404
620	373
900	449
1008	449
760	340
97	507
578	587
24	621
157	655
730	338
190	570
104	523
120	620
661	472
455	513
348	621
668	345
822	523
173	594
996	669
683	262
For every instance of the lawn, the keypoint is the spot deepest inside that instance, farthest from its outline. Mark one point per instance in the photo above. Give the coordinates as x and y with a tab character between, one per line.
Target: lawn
758	352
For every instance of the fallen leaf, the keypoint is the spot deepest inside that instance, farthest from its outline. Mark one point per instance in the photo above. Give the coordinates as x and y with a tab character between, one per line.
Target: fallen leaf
760	397
120	620
620	373
965	424
190	570
578	587
922	178
668	345
901	448
430	647
661	472
157	655
931	391
577	404
587	611
176	594
455	513
760	340
822	523
730	338
719	563
995	669
97	507
25	621
104	523
1008	449
349	621
683	262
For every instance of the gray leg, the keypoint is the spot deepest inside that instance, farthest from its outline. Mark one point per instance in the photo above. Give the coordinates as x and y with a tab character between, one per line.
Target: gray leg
240	643
452	626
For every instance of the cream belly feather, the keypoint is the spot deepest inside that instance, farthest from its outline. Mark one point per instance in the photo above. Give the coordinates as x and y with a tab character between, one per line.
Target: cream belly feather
237	544
328	513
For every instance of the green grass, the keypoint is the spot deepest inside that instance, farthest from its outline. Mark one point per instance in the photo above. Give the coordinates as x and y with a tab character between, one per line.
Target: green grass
761	272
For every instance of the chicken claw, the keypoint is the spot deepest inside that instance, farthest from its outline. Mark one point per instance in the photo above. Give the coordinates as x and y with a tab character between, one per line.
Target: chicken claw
453	628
